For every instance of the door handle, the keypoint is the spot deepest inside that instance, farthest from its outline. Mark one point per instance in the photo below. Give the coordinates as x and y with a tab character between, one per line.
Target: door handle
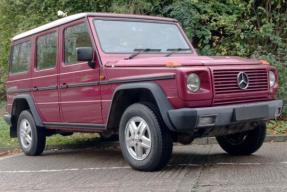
35	88
64	86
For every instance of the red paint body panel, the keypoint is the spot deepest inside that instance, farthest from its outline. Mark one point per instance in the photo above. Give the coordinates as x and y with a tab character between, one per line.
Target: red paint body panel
47	101
80	104
91	104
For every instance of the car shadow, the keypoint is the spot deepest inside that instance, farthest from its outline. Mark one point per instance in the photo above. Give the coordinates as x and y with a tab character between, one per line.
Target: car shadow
189	157
215	159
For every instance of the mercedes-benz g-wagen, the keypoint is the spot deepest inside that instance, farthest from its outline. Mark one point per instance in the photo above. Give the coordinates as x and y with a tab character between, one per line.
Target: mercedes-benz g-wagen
137	77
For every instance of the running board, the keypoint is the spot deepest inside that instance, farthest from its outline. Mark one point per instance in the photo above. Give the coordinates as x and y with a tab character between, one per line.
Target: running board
78	127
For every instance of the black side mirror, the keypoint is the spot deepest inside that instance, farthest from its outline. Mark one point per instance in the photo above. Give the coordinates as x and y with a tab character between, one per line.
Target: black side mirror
86	54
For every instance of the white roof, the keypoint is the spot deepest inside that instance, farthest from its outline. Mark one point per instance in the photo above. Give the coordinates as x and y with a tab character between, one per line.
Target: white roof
82	15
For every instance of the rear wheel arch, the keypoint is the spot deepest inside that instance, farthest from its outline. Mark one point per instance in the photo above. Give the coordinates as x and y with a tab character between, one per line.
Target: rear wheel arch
128	94
21	103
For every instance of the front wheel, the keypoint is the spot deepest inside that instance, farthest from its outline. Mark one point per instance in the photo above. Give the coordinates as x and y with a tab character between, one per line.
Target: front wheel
145	144
32	139
244	143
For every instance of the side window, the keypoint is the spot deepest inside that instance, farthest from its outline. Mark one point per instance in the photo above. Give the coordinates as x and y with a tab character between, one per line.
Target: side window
75	36
46	51
21	57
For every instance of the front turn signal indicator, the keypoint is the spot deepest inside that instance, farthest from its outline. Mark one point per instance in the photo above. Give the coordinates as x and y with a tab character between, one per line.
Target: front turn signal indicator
102	77
172	64
264	62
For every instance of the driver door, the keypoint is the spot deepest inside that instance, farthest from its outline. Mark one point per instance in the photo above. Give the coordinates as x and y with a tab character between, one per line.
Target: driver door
80	100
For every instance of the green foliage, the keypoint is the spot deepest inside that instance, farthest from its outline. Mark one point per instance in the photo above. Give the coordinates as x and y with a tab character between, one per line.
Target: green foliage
277	128
5	140
247	28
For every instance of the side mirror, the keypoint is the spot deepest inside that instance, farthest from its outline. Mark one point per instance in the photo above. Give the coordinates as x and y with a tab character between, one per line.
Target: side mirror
86	54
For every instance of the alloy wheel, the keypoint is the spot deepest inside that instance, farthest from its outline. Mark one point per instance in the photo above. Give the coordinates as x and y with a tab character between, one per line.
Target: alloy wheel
25	133
138	138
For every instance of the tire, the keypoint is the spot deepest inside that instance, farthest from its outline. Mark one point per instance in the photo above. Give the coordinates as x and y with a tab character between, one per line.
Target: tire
154	140
244	143
31	138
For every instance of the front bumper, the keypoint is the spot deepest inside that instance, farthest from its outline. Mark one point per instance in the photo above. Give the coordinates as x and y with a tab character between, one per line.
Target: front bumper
188	119
7	119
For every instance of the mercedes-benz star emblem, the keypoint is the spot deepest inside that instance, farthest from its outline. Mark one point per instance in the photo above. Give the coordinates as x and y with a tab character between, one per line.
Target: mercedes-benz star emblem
242	80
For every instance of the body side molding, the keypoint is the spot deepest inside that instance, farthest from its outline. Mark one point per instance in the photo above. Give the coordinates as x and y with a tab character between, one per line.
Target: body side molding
93	83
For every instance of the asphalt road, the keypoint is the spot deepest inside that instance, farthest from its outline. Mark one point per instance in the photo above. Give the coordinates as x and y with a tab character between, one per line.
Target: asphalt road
192	168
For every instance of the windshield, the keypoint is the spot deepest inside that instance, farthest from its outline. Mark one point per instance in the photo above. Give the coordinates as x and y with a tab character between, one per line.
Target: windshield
127	36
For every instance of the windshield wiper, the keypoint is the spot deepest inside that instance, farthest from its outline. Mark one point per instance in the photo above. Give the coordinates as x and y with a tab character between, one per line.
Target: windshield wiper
139	51
176	50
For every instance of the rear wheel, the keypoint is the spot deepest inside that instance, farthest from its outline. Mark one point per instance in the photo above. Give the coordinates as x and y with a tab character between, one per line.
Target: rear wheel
244	143
32	139
145	144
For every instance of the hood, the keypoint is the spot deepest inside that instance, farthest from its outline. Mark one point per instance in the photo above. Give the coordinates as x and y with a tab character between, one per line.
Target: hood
182	61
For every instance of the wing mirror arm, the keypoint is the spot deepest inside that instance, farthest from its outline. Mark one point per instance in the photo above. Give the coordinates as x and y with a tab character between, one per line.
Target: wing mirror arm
92	64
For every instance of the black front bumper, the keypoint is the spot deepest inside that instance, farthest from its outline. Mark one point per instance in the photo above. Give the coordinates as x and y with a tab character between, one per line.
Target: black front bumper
188	119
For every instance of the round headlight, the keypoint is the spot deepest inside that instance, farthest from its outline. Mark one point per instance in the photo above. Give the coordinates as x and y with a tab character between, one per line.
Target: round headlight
193	82
272	79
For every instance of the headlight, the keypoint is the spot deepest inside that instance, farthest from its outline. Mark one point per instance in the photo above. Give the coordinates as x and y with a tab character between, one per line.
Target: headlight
272	79
193	82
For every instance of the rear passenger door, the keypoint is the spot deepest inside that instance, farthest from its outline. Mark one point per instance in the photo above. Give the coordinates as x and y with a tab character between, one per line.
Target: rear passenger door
45	78
79	90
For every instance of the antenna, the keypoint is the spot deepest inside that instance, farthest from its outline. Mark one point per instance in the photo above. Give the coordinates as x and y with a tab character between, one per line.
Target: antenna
62	13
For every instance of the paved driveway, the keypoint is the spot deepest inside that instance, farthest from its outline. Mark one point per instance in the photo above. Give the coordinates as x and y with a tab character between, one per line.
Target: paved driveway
192	168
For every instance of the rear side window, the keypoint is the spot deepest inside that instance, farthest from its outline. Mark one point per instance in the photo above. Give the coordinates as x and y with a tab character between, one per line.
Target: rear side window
21	54
46	51
75	36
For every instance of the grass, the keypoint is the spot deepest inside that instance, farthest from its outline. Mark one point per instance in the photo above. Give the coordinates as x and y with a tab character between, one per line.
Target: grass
2	108
5	140
278	127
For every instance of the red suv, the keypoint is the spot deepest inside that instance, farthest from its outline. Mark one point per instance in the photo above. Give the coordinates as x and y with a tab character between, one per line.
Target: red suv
137	77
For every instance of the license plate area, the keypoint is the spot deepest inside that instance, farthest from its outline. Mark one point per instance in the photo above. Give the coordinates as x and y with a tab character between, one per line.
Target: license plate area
250	112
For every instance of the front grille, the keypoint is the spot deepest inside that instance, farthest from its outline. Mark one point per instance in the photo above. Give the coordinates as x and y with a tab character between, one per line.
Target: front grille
226	88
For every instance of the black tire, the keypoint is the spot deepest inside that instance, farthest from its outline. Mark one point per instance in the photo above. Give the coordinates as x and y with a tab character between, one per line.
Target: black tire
244	143
161	142
38	138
